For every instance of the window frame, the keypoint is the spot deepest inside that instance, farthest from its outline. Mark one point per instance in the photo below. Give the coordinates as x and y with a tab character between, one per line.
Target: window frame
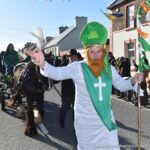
133	25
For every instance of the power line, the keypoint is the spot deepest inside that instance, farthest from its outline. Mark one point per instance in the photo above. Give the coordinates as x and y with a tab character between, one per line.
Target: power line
22	29
13	36
11	28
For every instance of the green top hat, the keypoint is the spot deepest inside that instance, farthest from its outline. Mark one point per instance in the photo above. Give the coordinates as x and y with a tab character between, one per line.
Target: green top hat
93	33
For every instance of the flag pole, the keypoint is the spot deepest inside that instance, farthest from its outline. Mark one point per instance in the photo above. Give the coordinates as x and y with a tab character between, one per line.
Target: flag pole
139	107
142	47
139	117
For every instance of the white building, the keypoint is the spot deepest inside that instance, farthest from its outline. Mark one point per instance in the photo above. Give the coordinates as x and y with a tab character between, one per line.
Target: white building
123	33
67	39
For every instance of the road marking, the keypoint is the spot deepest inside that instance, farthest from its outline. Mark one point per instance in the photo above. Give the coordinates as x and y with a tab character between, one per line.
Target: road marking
45	132
43	128
64	145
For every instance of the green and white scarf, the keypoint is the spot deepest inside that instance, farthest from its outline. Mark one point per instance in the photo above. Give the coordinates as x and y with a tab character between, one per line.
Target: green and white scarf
99	90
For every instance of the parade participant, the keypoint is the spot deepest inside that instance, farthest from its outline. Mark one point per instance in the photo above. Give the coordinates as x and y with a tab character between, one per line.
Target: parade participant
148	80
11	58
67	91
94	123
2	69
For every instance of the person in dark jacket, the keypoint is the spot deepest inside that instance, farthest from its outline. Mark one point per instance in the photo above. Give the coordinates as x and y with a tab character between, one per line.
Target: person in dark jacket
2	69
11	58
67	91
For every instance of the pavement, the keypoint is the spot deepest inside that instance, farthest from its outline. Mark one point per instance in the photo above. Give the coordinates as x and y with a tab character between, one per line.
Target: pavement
126	114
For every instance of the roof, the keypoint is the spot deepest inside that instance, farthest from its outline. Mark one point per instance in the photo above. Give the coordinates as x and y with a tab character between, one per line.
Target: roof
57	39
116	3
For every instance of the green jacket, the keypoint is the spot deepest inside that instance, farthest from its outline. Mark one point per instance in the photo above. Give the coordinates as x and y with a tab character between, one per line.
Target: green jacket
11	58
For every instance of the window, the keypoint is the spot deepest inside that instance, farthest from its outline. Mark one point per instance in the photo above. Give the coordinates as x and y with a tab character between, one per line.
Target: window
130	22
131	50
130	46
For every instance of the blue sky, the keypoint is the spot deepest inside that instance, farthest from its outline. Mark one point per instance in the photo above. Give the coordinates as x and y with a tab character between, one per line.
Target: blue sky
17	17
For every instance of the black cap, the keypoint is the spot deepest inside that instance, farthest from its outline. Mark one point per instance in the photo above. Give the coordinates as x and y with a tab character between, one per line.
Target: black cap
73	52
79	56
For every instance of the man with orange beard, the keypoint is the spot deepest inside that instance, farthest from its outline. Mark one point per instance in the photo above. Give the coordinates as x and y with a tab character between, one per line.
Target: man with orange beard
94	122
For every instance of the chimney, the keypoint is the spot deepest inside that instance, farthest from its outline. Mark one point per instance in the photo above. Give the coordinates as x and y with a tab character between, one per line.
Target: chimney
62	29
49	38
80	21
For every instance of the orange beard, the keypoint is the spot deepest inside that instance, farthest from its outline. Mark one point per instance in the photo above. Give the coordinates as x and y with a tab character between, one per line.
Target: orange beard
96	66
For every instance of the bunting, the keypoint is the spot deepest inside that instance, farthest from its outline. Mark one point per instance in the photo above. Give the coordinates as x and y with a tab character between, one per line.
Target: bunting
142	33
118	14
143	63
144	44
50	0
112	16
144	9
